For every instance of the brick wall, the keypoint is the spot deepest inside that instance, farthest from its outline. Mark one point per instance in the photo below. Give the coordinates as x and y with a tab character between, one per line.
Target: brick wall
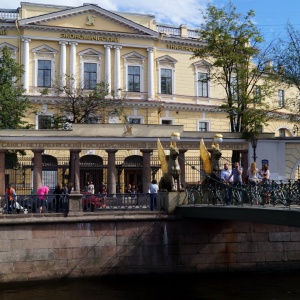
74	248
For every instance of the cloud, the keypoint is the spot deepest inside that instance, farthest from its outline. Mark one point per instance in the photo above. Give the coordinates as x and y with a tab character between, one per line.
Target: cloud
165	12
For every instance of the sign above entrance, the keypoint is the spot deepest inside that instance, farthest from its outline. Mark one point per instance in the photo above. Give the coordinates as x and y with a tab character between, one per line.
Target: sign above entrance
89	37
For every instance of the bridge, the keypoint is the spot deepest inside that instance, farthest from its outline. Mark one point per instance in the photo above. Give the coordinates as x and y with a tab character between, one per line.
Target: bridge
275	203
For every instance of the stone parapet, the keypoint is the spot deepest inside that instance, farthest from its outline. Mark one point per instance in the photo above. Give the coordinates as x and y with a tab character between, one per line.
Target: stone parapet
43	247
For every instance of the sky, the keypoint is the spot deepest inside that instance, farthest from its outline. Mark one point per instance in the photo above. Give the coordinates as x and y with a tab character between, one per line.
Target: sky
271	15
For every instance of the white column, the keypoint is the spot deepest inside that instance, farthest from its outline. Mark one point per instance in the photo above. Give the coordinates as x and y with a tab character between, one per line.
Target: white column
26	63
73	64
150	73
108	66
117	71
63	63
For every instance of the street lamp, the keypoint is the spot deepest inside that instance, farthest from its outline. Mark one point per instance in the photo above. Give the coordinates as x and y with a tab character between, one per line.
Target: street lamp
175	137
254	145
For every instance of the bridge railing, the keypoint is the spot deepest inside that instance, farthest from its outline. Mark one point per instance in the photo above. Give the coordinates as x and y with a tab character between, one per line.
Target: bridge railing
24	204
264	193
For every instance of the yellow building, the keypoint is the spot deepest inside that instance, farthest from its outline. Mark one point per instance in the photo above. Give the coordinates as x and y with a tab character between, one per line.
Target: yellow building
147	64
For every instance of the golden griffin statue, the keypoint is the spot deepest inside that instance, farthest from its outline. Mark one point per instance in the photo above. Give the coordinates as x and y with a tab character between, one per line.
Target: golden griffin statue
170	180
211	162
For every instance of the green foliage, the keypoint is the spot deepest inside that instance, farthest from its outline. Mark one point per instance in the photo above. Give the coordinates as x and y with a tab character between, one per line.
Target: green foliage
77	105
231	45
286	58
13	104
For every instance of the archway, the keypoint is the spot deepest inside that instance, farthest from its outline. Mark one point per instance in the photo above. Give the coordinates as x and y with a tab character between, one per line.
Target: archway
91	170
49	171
133	171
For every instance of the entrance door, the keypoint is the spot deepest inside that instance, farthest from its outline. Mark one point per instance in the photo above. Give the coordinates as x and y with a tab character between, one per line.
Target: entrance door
133	177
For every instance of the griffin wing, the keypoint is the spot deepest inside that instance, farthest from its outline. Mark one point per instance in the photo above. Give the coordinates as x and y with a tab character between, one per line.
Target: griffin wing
205	158
162	157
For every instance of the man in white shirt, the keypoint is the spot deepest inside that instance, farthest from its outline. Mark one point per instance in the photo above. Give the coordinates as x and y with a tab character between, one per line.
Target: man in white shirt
153	190
227	179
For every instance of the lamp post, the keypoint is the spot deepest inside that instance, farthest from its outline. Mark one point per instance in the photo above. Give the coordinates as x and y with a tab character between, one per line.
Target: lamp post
175	137
254	145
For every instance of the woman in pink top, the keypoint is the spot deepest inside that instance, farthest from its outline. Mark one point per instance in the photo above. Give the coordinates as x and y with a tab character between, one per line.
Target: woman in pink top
42	191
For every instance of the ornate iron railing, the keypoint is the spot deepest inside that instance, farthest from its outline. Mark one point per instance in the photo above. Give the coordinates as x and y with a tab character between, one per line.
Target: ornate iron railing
31	204
267	193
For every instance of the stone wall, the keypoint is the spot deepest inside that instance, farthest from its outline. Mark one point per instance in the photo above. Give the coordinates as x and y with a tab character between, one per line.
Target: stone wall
43	248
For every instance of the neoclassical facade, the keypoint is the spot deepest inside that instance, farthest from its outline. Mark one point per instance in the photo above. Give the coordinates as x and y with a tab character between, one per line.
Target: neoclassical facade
147	64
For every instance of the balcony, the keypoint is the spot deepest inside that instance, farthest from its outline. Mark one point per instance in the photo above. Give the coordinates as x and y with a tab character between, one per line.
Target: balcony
177	31
9	14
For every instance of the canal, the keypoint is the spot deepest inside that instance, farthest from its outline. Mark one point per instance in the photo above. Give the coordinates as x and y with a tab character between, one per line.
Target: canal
242	286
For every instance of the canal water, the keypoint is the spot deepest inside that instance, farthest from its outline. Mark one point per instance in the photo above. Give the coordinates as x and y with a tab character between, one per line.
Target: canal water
246	286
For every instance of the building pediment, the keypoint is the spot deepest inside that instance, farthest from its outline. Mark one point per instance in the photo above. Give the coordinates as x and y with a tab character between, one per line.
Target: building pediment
166	59
134	56
44	49
9	46
88	17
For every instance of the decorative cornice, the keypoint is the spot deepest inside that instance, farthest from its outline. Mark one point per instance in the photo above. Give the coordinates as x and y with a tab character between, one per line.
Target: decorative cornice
87	31
89	9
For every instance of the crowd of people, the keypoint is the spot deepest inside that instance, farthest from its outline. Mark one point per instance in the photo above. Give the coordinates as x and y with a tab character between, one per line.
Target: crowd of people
234	177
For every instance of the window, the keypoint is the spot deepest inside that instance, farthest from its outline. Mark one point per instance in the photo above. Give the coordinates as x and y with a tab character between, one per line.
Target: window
257	93
90	75
202	84
92	119
202	126
282	132
45	122
166	76
281	98
233	88
167	121
135	121
134	79
166	81
44	66
89	68
134	72
44	73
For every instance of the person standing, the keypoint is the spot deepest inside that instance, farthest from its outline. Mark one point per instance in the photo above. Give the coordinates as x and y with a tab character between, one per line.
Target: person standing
265	180
252	173
58	196
236	175
225	178
91	188
265	173
128	189
70	188
42	192
153	189
11	197
103	197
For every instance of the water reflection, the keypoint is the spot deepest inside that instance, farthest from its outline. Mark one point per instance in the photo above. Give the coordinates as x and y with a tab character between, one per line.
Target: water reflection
181	286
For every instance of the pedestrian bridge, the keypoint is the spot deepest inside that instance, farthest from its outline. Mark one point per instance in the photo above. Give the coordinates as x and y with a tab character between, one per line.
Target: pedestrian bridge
277	215
273	203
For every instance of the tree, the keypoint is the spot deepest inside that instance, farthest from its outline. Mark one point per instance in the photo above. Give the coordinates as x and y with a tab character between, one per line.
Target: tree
231	43
79	105
286	58
13	103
